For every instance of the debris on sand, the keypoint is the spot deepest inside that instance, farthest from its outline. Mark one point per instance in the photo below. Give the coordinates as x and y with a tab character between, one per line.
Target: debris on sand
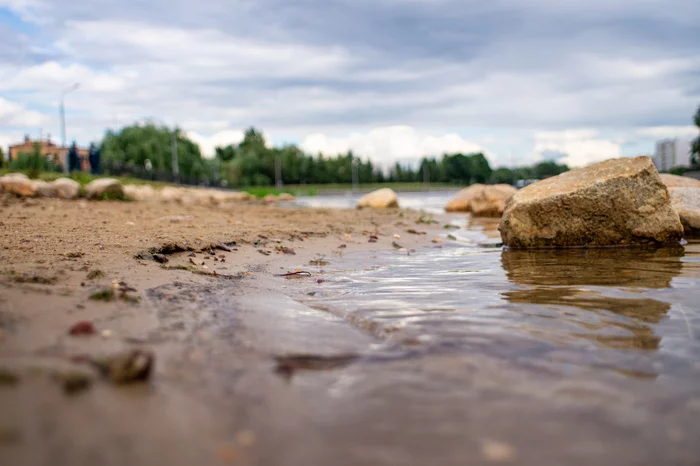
73	382
396	245
31	278
160	258
128	367
373	238
289	364
264	252
95	274
84	327
285	250
319	262
437	240
416	232
8	378
118	290
301	273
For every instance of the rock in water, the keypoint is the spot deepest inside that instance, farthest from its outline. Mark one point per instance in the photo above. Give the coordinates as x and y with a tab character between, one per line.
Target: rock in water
66	188
104	188
481	200
379	199
613	203
686	202
19	184
675	181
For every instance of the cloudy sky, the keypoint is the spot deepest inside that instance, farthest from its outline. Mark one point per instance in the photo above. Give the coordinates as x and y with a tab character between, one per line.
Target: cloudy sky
522	80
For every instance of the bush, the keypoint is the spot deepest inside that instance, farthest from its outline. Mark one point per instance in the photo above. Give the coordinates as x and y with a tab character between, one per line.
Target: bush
33	163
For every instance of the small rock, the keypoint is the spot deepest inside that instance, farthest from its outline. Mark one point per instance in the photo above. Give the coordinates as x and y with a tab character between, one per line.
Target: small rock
160	258
44	189
19	184
686	202
104	188
84	327
66	188
437	240
379	199
73	382
498	452
131	366
481	200
285	197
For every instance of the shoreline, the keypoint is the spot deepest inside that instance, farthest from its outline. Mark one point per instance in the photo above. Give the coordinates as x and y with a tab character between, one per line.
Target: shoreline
208	334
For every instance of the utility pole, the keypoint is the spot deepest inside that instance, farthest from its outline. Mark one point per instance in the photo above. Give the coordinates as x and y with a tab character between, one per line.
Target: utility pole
355	175
278	172
62	116
173	148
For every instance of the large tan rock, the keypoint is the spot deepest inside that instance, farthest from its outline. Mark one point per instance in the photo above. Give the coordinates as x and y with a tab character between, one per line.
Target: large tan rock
675	181
379	199
104	188
612	203
66	188
481	200
19	184
285	197
686	202
44	189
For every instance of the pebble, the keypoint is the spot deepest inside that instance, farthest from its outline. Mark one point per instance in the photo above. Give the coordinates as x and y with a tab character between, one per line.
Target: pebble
497	452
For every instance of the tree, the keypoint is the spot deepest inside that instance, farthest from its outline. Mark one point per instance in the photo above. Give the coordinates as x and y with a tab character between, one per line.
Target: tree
132	145
2	158
695	146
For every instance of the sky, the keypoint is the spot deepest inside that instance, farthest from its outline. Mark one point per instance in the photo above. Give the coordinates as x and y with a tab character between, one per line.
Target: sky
521	80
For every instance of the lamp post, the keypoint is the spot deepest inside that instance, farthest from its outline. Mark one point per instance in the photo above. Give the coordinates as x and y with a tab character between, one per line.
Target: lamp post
62	115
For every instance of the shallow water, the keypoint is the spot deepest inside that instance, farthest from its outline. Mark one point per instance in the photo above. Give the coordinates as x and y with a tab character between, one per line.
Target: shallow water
432	202
565	357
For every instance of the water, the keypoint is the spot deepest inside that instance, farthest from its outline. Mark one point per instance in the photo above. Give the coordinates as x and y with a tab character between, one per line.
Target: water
592	354
432	202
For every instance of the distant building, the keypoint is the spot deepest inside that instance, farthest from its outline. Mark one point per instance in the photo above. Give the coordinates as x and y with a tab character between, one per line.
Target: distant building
49	150
672	153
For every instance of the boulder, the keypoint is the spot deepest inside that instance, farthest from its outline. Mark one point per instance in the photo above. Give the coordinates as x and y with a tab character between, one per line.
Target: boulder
613	203
66	188
675	181
44	189
379	199
104	188
170	194
19	184
686	202
285	197
481	200
270	199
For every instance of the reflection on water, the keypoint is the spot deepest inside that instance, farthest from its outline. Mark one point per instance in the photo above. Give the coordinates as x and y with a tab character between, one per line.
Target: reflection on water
641	268
616	310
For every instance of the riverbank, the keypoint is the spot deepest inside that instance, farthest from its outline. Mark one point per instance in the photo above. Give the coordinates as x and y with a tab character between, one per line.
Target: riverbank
210	308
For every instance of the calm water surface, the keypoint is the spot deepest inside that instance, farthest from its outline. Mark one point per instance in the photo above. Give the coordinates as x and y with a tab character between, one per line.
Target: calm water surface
596	353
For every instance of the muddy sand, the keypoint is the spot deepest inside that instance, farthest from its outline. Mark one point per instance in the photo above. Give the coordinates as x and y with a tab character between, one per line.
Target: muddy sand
197	289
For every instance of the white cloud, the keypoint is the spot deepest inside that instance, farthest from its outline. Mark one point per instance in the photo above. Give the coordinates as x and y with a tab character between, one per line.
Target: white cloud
390	144
661	132
581	146
208	144
14	114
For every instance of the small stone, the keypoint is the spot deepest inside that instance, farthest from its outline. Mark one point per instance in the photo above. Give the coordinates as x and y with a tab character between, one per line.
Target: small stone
437	240
131	366
498	452
104	188
379	199
160	258
73	382
84	327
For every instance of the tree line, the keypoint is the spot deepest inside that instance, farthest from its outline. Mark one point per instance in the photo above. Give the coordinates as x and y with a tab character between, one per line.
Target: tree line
253	163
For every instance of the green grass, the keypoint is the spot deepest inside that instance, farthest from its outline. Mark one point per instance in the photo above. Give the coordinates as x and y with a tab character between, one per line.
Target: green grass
315	189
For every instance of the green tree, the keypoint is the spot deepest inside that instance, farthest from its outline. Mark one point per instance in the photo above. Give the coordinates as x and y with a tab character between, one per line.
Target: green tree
695	146
132	145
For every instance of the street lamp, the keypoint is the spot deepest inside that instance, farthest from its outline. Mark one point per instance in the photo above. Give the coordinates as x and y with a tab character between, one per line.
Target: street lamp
62	115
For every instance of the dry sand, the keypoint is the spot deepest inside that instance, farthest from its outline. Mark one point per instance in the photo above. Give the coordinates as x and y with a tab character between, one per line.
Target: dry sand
214	396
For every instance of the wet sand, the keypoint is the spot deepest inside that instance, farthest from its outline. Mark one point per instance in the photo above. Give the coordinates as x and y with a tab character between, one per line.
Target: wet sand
219	392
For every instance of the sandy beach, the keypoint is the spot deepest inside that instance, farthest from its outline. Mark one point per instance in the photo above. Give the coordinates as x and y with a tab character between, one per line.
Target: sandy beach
215	317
